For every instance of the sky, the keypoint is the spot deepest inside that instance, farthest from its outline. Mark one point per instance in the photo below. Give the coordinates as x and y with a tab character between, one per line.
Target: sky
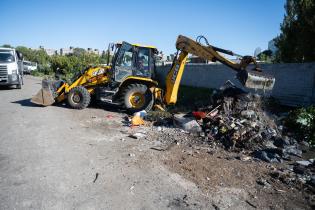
238	25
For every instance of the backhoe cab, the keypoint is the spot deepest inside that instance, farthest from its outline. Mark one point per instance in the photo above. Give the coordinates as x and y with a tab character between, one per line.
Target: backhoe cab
133	74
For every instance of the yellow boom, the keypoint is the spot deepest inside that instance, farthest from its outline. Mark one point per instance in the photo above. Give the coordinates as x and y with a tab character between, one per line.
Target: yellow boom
251	79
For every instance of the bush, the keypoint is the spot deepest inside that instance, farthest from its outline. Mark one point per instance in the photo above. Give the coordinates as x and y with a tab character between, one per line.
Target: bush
44	69
37	73
302	123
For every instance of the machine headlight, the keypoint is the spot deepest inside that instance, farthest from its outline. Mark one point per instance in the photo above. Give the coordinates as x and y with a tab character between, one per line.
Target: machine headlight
14	77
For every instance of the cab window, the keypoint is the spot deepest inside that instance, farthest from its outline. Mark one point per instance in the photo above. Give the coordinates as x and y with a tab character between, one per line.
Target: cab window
126	59
143	68
124	63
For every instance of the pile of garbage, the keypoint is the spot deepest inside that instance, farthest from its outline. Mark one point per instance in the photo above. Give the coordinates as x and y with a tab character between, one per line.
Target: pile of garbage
237	120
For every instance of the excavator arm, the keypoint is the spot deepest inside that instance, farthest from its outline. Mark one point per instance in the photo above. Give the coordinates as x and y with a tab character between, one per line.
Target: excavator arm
249	78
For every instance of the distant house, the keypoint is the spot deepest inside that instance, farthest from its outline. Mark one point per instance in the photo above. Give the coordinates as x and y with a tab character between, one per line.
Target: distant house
66	51
94	51
49	52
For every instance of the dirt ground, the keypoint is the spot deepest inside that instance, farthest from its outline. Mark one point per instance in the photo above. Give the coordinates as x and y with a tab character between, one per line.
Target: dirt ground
59	158
224	173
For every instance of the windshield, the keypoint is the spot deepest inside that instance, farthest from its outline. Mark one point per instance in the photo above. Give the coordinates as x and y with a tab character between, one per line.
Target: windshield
7	56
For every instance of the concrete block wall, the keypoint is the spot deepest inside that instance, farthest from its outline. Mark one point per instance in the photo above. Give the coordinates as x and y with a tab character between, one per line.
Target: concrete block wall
295	83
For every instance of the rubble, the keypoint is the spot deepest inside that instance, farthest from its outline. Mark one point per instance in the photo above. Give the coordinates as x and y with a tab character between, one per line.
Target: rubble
237	120
268	155
263	182
187	123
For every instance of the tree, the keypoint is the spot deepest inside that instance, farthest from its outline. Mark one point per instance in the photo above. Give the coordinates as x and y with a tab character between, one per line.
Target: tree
104	57
296	42
79	51
266	56
7	46
66	65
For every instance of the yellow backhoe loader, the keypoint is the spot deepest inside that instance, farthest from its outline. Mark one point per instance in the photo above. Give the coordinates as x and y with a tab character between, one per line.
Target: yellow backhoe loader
130	80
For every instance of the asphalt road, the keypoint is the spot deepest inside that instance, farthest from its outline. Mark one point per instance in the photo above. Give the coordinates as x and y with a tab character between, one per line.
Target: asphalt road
49	158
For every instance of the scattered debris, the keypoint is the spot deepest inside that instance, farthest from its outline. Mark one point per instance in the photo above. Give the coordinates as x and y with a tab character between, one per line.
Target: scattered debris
187	123
304	162
109	116
268	155
179	203
96	176
251	204
263	182
137	120
137	135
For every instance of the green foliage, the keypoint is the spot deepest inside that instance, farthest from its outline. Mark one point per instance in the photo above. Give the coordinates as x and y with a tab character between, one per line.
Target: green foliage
37	73
296	42
78	51
63	65
302	122
7	46
266	56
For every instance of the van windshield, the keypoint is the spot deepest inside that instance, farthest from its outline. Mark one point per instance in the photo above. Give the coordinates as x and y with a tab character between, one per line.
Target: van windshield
27	63
7	57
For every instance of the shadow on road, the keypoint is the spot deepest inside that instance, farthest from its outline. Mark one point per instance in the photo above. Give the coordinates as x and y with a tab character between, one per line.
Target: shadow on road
106	107
7	88
96	105
26	102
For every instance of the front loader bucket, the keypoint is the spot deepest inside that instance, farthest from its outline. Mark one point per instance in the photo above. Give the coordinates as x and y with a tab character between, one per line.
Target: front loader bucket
256	80
45	95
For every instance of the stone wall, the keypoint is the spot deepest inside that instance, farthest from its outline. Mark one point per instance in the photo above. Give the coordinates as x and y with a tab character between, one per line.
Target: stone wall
295	83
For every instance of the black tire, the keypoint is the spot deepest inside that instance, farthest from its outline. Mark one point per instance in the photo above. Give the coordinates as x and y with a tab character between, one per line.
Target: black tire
140	89
19	86
79	97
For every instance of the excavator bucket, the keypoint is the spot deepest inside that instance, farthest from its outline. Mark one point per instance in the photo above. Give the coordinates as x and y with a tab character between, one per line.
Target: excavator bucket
45	94
256	80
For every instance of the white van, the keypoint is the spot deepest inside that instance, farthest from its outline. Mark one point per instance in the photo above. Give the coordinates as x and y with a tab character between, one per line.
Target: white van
29	66
11	67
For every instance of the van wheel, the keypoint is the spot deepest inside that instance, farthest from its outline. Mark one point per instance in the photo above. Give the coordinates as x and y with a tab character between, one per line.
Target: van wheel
137	97
79	97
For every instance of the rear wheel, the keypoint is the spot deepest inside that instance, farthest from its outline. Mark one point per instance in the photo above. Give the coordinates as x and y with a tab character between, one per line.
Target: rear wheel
79	97
137	97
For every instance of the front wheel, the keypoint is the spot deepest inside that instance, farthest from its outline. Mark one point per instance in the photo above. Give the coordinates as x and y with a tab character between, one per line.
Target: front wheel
79	97
137	97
